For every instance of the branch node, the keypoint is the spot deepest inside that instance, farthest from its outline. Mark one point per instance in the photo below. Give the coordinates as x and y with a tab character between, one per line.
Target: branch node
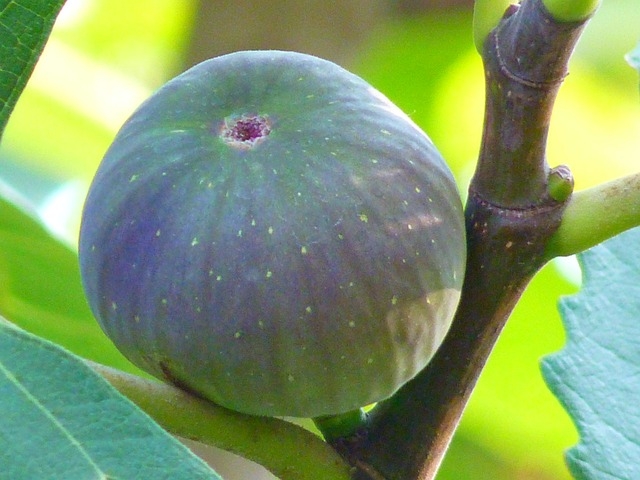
519	78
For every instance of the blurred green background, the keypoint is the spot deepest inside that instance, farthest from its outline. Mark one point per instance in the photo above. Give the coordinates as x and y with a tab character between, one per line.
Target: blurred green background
106	56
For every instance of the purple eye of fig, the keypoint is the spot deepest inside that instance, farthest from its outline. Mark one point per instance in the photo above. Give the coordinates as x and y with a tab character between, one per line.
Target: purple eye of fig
246	131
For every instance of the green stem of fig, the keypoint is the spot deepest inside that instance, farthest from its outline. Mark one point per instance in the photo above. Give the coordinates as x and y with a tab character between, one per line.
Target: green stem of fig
287	450
596	214
571	10
486	16
335	427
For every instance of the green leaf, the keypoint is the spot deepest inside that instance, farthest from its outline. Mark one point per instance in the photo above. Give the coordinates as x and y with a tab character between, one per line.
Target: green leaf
25	26
597	376
40	288
62	420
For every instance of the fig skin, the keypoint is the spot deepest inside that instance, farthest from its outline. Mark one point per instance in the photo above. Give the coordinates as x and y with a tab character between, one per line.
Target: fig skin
271	233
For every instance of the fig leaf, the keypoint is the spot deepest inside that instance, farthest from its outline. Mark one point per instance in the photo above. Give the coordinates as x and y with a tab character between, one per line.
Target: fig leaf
62	418
25	26
597	375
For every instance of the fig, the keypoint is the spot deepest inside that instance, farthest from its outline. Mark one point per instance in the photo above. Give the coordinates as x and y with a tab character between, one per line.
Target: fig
271	233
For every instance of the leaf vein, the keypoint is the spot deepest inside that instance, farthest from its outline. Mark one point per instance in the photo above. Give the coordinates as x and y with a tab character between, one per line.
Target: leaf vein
47	413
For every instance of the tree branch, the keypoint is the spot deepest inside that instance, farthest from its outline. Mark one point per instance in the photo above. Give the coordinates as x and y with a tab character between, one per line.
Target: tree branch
525	64
512	211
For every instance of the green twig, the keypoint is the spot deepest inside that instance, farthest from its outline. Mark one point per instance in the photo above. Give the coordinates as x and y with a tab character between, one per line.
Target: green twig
596	214
571	10
287	450
486	16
